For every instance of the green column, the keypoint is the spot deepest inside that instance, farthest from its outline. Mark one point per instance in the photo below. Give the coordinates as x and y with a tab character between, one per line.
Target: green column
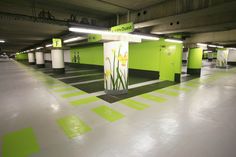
194	61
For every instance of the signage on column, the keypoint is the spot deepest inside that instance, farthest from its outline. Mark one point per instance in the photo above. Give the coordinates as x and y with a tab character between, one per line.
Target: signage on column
56	42
94	37
124	28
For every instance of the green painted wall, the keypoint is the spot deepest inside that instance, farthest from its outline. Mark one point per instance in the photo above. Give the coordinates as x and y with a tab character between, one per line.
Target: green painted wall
147	55
21	56
195	58
90	54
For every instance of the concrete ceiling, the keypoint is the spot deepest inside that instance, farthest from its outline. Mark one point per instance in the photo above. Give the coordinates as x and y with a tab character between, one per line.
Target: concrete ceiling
23	29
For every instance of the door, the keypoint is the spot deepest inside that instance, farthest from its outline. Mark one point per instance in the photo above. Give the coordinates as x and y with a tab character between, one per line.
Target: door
167	63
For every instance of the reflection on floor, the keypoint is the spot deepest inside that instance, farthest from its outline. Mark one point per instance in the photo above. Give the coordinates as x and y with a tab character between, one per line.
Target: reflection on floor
44	117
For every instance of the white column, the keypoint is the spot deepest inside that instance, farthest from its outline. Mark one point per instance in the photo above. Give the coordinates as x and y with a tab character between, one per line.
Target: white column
40	59
116	67
58	60
31	58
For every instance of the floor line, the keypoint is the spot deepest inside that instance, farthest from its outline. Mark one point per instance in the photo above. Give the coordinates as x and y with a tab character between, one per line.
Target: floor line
85	82
78	76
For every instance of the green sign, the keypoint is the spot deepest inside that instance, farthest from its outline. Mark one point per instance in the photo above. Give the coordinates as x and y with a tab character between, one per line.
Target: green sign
56	42
94	37
125	28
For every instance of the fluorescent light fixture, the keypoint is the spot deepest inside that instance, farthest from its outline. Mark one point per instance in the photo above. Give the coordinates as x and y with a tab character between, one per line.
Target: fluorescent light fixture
173	41
2	41
201	44
212	45
220	46
38	48
49	45
145	37
232	48
107	32
32	49
73	39
89	31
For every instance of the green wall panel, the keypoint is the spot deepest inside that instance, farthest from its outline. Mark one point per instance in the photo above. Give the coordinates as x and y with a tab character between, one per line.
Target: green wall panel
21	56
91	54
195	58
147	55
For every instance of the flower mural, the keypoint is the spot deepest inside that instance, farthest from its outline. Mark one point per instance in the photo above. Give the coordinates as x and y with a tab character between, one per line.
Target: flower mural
116	67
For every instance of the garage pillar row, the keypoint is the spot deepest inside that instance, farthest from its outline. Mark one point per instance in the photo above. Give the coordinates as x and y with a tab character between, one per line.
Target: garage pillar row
31	58
40	59
58	64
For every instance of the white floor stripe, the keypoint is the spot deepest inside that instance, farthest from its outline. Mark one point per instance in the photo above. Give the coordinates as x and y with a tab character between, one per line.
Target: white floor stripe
78	76
84	82
184	75
143	84
75	71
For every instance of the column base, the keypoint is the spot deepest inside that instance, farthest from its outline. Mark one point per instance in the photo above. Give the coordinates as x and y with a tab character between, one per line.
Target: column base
41	65
195	72
59	70
115	92
31	63
177	77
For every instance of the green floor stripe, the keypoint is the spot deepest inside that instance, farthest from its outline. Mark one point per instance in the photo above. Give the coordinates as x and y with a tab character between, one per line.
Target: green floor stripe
134	104
180	88
64	89
108	113
154	98
84	101
21	143
166	92
73	126
191	84
69	95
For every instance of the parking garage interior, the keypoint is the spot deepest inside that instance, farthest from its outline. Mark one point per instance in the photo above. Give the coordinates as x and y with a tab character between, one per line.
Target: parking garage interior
101	78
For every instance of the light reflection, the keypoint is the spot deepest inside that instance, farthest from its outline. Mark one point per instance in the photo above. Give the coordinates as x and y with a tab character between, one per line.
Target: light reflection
55	107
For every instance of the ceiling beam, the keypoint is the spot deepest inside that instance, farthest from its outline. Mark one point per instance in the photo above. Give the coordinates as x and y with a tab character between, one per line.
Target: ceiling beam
213	37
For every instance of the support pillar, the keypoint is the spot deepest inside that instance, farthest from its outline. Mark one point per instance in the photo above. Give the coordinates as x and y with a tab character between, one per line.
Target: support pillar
222	58
58	65
116	67
40	59
195	61
31	58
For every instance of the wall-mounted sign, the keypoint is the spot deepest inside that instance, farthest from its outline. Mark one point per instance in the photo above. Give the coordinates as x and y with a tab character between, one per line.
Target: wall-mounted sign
94	37
56	42
125	28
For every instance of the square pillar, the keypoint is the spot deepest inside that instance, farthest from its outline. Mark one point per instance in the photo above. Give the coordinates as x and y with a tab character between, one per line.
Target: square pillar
116	67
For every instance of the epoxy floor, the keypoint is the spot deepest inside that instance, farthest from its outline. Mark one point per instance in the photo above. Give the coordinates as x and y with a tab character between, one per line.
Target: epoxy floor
43	117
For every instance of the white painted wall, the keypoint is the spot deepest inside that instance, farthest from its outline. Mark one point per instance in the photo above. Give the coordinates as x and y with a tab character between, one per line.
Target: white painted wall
67	58
232	56
47	57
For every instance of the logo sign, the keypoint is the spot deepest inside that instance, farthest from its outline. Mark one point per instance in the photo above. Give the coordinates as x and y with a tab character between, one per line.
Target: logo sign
94	37
124	28
56	42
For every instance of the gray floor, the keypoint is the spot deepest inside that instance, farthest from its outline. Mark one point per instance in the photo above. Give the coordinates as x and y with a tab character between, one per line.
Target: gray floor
199	122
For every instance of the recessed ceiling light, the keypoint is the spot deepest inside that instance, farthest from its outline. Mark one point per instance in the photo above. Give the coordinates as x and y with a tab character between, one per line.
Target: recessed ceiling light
2	41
